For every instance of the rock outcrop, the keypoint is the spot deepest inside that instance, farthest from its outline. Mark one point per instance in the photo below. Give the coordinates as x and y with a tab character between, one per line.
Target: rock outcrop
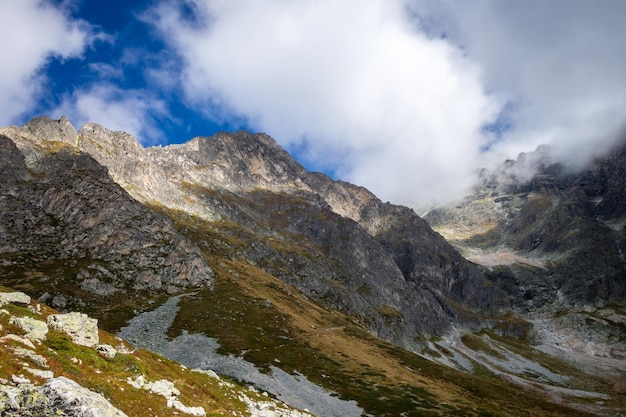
107	351
63	220
16	297
35	329
375	261
59	396
81	328
166	389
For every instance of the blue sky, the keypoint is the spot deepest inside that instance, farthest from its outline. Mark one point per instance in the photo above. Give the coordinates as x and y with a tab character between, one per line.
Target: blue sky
125	47
405	97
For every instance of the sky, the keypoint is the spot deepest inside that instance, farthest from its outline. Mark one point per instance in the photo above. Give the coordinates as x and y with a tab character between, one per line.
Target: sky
404	97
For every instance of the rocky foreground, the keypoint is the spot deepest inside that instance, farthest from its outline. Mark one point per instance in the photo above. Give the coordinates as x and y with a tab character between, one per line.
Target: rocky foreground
44	355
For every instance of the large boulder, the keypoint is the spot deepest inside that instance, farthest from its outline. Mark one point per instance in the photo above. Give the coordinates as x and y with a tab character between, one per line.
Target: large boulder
107	351
59	396
14	298
81	328
35	329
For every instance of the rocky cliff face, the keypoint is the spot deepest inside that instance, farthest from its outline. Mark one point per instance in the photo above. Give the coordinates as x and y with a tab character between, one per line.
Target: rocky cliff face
335	241
67	226
568	224
553	240
92	221
378	262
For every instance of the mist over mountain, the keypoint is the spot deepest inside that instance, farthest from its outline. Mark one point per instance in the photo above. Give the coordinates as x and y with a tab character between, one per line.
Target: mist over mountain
523	278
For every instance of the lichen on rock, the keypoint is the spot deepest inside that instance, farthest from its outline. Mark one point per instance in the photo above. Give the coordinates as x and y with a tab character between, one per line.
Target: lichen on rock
35	329
81	328
59	396
16	297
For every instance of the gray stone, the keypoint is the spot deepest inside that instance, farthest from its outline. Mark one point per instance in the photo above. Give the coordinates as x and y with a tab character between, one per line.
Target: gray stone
81	328
32	356
35	329
59	396
107	351
39	373
207	372
19	379
138	382
14	298
83	402
165	388
59	302
95	286
18	339
194	411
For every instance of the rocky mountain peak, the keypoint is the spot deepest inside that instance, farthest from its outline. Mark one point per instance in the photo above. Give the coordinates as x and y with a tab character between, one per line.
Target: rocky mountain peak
535	212
60	130
61	212
250	181
238	162
98	140
41	137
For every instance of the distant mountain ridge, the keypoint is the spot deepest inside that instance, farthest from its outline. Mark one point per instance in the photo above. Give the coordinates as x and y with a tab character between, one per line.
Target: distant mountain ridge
92	221
389	260
553	239
570	223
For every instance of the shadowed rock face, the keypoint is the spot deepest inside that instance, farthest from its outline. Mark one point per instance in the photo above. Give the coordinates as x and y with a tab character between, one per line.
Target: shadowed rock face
566	230
65	217
335	241
377	262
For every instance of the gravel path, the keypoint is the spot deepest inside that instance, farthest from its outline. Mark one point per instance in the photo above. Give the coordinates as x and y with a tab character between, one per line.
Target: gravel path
148	331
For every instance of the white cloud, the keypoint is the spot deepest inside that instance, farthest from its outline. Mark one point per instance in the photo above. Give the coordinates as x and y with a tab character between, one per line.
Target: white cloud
562	62
34	31
106	70
132	111
371	90
385	106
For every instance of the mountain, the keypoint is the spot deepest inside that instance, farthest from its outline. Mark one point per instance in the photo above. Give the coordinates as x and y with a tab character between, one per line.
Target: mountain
62	364
225	245
343	246
553	239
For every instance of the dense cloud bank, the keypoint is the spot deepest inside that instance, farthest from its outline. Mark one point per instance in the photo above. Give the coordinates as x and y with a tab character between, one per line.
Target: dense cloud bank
405	97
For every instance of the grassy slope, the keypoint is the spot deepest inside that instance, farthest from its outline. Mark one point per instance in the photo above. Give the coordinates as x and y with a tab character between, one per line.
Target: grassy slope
109	376
255	315
269	323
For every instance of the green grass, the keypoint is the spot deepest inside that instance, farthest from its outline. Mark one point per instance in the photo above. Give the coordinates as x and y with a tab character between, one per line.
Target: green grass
237	313
109	376
254	329
476	343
